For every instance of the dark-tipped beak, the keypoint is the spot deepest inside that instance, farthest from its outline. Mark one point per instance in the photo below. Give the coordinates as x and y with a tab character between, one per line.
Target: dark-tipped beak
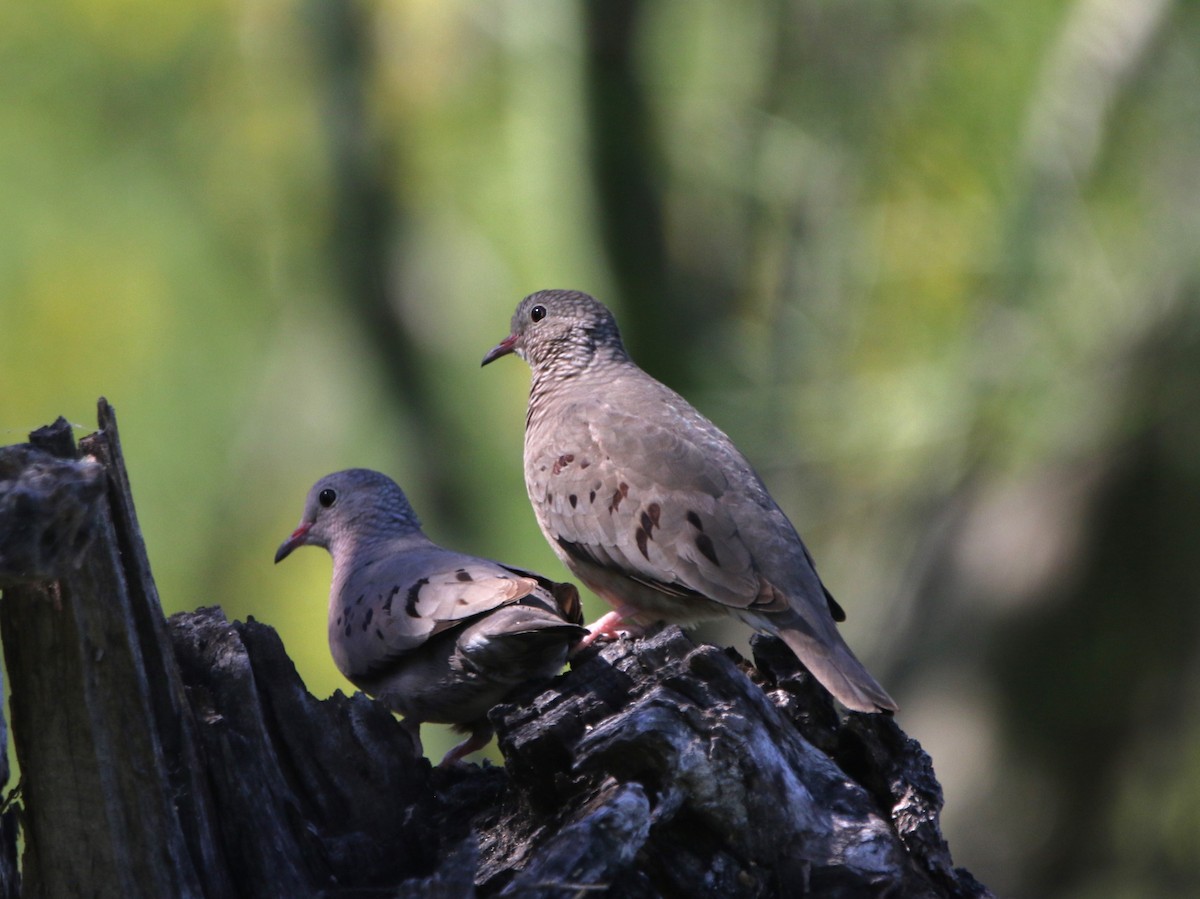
297	539
503	348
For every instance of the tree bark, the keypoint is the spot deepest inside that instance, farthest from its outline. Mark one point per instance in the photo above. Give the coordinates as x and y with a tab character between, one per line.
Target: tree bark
185	757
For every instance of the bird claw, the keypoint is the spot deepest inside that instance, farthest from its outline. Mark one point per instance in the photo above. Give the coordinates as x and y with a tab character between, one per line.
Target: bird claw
607	629
595	637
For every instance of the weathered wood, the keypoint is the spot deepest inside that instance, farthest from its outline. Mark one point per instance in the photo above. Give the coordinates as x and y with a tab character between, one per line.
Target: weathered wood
100	814
173	728
186	758
312	794
740	801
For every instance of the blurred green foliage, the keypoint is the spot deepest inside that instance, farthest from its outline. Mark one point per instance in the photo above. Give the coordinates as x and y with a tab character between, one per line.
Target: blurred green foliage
933	265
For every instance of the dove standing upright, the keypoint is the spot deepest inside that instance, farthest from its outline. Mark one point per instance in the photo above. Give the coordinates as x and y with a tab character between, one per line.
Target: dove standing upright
653	507
433	634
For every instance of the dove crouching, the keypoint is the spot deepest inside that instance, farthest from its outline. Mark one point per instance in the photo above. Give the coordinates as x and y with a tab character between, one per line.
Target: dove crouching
434	634
652	506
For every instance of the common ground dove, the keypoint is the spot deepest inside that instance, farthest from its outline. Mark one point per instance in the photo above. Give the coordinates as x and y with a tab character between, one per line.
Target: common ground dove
435	635
653	507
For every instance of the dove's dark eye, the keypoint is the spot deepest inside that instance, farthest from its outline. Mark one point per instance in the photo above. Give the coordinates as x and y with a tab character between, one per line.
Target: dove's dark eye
537	313
327	497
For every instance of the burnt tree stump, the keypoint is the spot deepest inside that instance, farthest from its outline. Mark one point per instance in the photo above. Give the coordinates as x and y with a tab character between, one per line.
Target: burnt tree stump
184	757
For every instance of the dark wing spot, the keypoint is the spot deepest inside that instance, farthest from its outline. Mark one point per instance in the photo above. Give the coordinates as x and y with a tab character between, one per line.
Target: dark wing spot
591	496
562	462
379	633
387	603
347	628
705	545
653	510
619	494
367	619
573	499
339	620
642	536
584	463
694	521
414	593
463	575
358	602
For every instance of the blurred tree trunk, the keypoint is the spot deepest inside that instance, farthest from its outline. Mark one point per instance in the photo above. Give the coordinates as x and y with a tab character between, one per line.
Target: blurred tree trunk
365	233
627	170
664	301
185	758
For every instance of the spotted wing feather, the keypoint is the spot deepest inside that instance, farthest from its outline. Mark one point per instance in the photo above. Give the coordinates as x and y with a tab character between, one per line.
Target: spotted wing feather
392	607
648	496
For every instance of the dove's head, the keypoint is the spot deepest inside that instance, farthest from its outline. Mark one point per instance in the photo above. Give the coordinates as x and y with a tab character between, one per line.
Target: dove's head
561	331
355	505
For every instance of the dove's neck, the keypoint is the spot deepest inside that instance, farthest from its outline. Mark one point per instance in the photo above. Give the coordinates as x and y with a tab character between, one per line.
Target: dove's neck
553	384
352	551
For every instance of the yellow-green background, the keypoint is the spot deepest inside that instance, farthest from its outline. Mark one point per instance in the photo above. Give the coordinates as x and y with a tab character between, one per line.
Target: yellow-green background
932	264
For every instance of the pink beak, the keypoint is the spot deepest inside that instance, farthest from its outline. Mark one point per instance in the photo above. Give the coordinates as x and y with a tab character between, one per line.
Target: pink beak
297	539
503	348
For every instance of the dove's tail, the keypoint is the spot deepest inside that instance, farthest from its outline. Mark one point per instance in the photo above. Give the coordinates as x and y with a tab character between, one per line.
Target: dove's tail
834	665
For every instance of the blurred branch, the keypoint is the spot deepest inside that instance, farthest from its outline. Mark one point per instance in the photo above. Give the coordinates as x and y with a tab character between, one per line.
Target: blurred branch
1102	46
368	220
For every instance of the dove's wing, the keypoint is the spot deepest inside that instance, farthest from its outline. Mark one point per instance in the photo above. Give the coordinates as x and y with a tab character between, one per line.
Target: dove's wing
656	491
391	604
517	642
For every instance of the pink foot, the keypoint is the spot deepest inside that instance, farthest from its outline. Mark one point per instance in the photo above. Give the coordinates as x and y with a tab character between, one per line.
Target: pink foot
610	627
477	740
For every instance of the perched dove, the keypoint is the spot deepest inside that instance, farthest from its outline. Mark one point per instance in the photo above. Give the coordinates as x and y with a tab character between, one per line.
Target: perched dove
434	634
653	507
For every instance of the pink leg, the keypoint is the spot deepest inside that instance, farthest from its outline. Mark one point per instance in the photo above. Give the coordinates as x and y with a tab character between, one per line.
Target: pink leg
478	739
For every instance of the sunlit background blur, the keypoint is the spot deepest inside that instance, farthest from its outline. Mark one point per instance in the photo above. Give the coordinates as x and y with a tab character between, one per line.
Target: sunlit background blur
933	265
